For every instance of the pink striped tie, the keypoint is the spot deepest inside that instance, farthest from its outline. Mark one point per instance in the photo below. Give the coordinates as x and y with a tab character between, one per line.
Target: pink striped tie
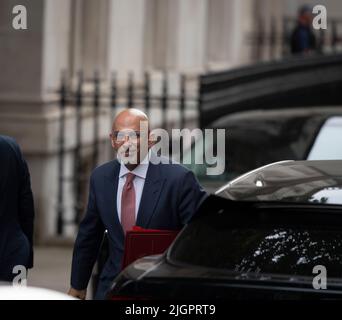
128	203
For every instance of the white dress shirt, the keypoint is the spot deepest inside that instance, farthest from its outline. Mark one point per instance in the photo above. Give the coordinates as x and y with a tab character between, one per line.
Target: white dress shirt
139	181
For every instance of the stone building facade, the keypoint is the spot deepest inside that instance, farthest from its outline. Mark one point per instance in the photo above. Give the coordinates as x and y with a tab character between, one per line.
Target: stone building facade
177	36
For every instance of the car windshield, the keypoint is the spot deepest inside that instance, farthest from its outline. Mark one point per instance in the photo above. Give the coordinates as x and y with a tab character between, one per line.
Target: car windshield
241	243
257	140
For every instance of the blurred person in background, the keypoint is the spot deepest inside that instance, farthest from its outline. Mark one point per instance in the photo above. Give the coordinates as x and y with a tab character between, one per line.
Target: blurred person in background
303	39
16	210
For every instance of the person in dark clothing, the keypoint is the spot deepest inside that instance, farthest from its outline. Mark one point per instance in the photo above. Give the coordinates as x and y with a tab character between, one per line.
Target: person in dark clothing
148	193
303	39
16	210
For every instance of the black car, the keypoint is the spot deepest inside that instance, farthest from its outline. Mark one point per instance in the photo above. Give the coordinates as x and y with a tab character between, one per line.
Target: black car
259	137
262	236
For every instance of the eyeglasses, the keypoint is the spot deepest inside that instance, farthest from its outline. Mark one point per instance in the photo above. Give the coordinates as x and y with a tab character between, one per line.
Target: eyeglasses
121	135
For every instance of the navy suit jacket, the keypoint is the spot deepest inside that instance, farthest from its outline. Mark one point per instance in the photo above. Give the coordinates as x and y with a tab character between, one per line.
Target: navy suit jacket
171	195
16	209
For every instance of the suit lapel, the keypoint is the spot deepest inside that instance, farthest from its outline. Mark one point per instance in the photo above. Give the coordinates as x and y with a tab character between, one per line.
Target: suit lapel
111	182
150	195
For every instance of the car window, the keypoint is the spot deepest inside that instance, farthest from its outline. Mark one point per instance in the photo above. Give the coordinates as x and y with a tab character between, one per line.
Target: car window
253	143
195	160
268	250
328	144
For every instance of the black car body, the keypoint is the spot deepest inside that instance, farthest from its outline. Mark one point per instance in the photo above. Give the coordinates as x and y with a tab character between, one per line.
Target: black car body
259	237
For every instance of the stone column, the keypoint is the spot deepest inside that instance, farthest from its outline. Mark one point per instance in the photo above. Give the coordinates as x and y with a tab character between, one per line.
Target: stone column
89	37
191	44
230	27
150	32
31	62
20	56
180	38
126	36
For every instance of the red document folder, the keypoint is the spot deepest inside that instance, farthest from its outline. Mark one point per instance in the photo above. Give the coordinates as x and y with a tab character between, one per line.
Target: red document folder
141	242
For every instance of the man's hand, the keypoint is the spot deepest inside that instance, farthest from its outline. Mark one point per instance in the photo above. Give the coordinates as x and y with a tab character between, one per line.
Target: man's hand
79	294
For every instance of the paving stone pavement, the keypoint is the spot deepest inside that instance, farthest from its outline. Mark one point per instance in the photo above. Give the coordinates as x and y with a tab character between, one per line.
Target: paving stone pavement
52	267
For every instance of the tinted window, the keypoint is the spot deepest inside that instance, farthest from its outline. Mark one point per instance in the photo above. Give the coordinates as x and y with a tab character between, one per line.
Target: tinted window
213	242
255	141
195	159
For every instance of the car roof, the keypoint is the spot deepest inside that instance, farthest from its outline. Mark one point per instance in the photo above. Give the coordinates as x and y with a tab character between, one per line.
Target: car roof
291	181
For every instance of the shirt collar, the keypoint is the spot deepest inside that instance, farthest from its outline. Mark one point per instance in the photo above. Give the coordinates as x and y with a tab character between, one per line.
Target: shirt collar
140	170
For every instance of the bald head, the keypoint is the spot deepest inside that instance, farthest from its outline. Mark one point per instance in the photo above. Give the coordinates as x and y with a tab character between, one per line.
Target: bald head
131	148
129	119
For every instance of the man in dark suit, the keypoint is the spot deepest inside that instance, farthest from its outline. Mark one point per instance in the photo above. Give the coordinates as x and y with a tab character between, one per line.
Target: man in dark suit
126	193
16	210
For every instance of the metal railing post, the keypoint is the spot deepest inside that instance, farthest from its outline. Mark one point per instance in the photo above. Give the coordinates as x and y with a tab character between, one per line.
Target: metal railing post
130	90
147	93
77	153
96	104
164	101
60	195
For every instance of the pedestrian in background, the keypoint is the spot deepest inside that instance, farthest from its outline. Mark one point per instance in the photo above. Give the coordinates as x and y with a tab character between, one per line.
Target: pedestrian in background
303	40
